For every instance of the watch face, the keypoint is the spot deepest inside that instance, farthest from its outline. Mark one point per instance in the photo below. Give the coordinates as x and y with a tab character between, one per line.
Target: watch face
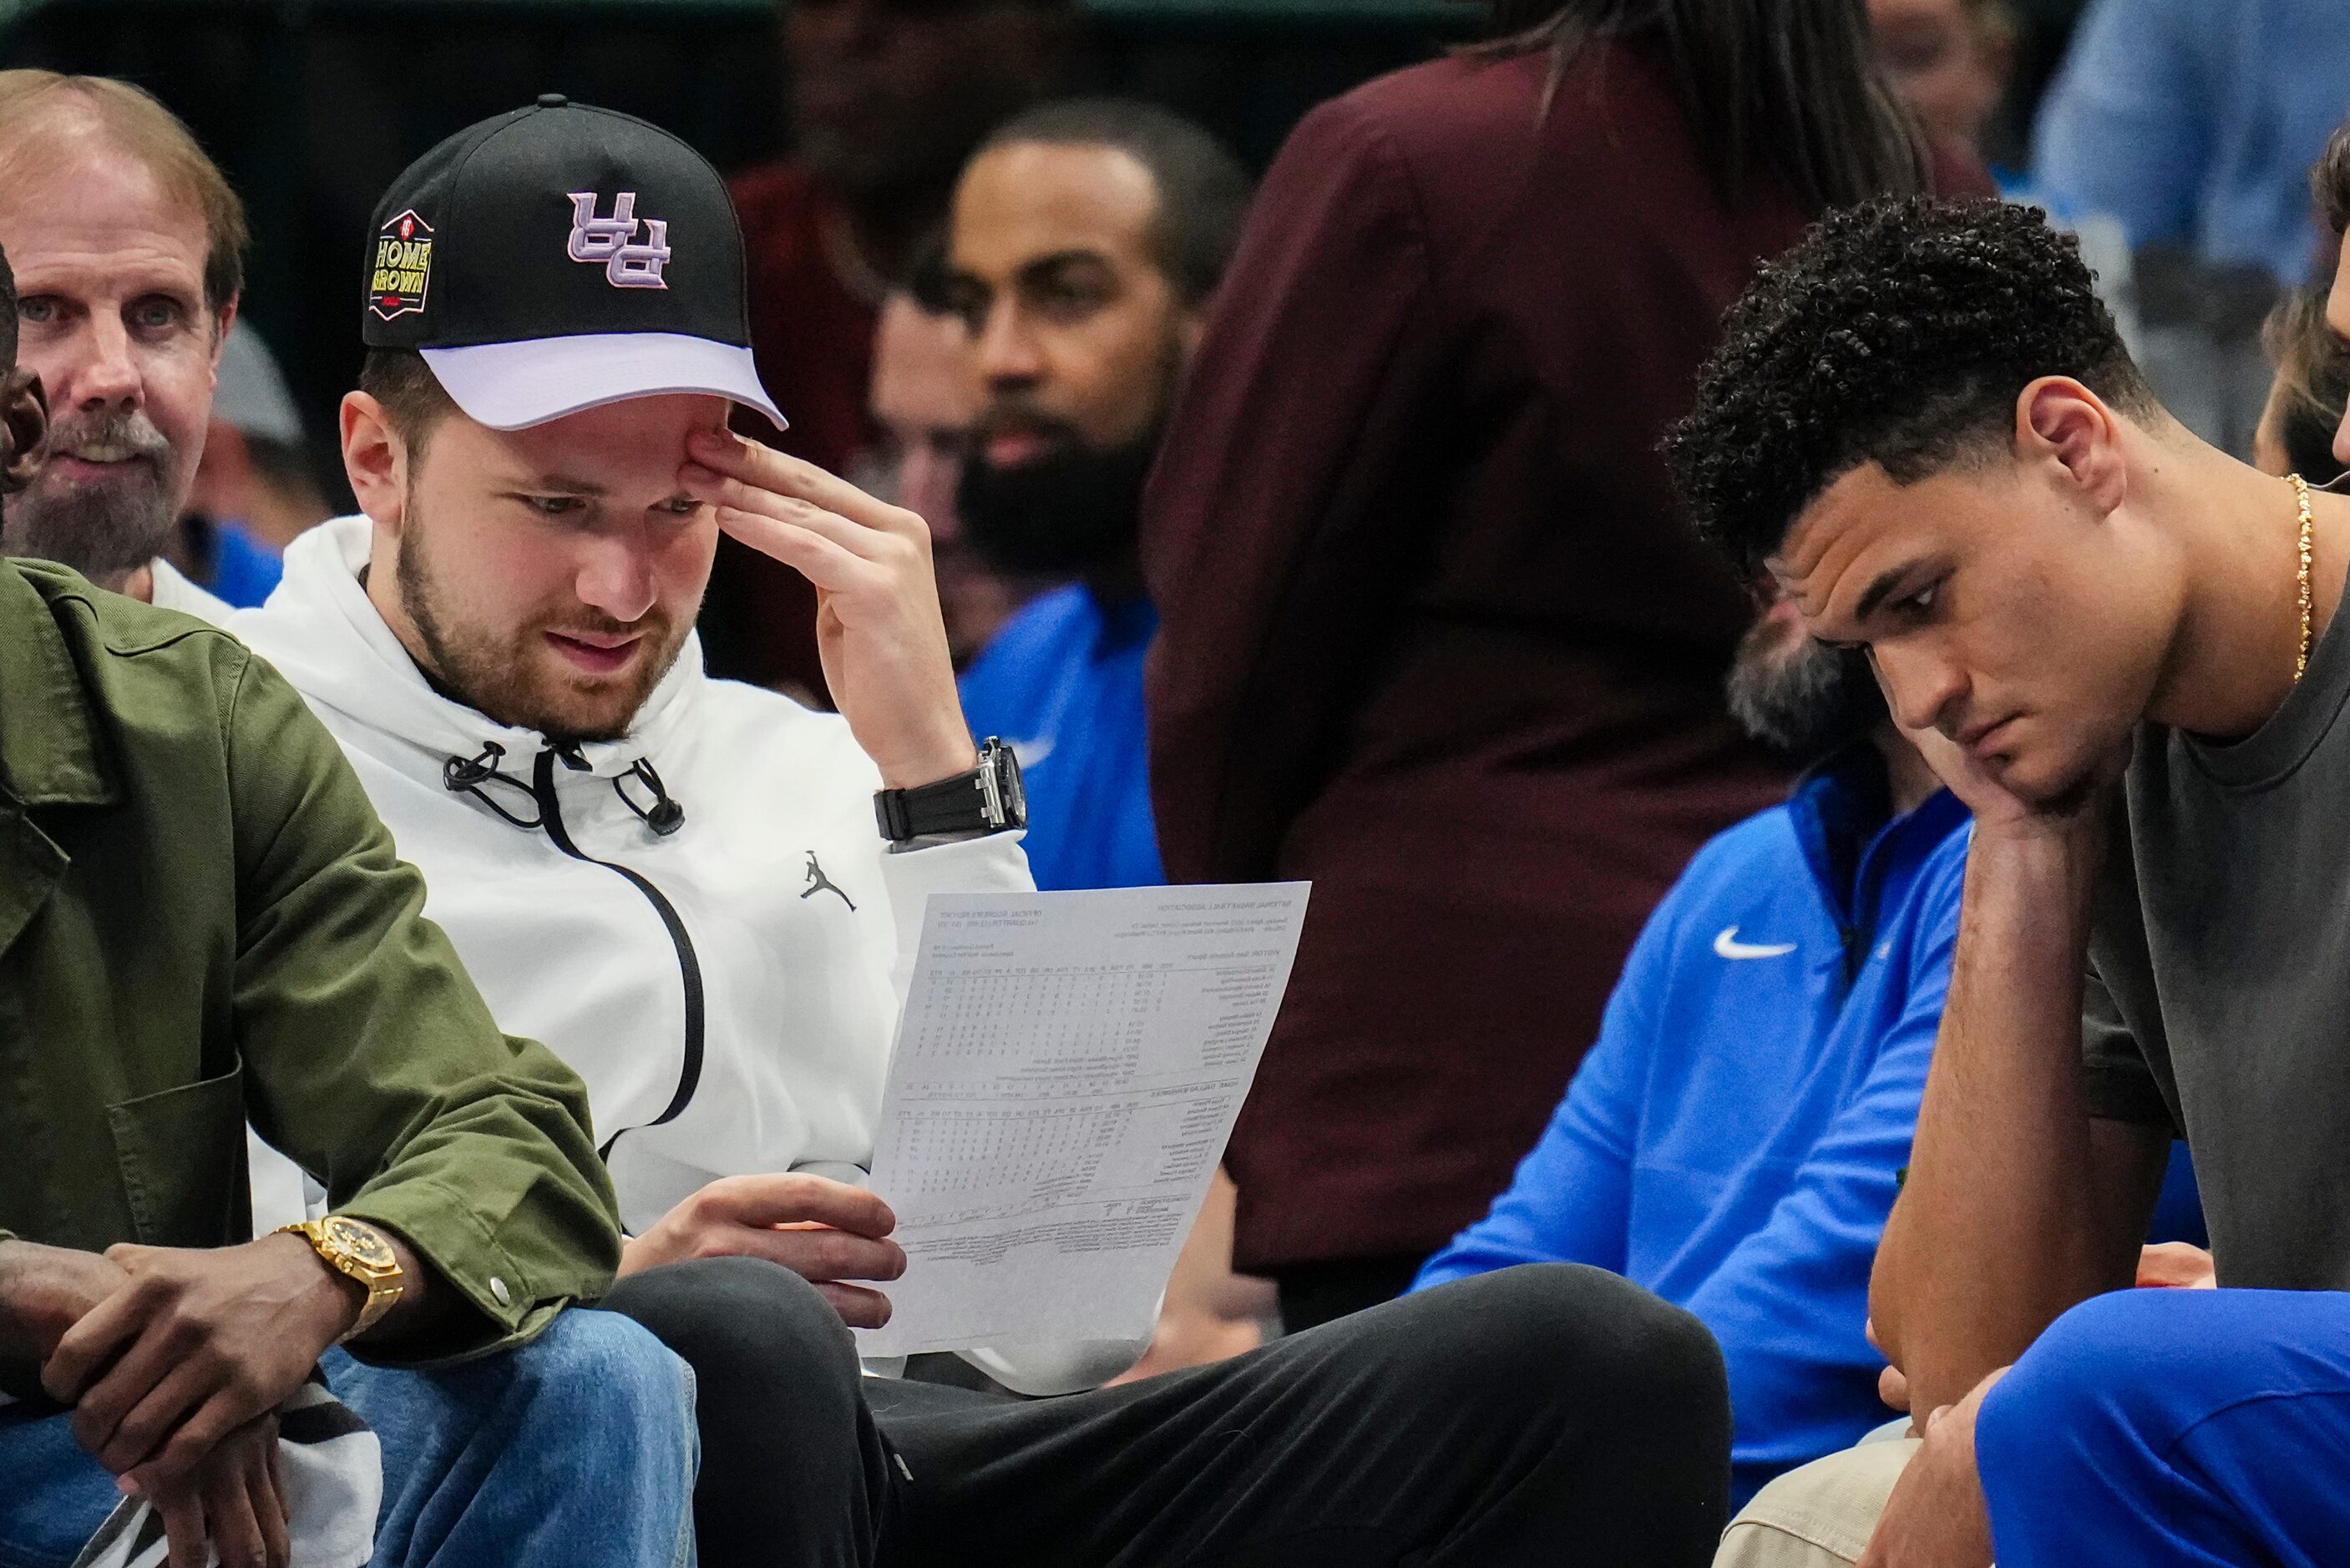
363	1244
1015	793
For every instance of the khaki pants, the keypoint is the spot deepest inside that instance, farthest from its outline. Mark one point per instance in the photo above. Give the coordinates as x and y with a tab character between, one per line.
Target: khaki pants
1819	1516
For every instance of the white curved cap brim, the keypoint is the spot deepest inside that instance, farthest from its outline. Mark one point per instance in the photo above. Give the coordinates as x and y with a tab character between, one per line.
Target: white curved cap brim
512	386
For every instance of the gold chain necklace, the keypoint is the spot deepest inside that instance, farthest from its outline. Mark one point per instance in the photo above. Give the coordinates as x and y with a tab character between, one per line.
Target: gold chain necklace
2308	531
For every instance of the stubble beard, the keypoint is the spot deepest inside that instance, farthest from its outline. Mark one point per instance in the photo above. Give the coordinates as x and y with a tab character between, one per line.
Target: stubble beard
500	675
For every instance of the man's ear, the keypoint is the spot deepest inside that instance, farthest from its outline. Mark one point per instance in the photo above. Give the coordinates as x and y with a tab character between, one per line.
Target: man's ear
375	460
2063	425
26	417
227	320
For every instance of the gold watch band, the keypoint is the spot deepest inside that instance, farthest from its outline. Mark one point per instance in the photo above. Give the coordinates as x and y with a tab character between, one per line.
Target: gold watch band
356	1250
382	1299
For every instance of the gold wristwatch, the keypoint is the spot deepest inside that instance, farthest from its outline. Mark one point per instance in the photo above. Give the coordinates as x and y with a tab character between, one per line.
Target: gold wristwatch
357	1248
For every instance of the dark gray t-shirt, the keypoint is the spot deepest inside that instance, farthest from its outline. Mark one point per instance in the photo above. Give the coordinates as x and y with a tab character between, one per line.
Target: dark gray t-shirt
2219	994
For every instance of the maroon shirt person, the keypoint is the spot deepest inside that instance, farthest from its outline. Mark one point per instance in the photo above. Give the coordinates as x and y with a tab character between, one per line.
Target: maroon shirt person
1434	635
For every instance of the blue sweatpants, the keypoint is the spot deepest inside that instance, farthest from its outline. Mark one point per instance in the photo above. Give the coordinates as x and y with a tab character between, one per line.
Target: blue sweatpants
2166	1427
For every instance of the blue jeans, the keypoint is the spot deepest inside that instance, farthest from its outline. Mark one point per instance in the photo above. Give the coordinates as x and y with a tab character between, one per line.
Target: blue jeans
2164	1428
577	1450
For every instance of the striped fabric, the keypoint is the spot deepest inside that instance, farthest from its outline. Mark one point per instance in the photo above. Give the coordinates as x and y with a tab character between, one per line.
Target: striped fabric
333	1469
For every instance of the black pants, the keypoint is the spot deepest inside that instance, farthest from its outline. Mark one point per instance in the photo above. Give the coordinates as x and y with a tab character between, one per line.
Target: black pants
1541	1416
1312	1294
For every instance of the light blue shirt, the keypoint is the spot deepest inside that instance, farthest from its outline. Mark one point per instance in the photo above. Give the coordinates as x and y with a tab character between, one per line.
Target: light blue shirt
2196	122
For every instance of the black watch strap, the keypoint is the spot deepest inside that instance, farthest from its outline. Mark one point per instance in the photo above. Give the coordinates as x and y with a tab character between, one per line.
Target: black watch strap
986	799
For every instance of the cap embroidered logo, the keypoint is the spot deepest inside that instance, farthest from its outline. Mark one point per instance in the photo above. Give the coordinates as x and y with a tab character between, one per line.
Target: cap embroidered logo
611	241
519	330
403	266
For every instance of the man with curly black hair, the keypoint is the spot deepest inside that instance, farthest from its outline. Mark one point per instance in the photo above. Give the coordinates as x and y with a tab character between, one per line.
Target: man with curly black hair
2119	646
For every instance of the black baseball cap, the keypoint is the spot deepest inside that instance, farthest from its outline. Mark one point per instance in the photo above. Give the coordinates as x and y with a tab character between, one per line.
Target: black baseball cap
560	257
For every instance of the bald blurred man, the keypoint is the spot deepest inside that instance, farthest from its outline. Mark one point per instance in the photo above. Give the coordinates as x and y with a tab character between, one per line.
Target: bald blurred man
924	401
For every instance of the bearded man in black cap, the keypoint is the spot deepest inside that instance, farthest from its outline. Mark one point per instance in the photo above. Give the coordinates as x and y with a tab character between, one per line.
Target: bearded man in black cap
677	884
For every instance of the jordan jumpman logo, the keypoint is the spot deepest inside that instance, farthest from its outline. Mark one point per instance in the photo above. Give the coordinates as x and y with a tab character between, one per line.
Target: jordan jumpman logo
820	883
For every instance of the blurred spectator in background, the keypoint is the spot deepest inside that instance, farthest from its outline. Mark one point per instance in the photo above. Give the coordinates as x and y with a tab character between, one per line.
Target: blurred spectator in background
2195	123
2192	125
1086	241
887	100
923	401
257	467
1733	1139
1435	635
130	253
254	491
2306	405
1949	59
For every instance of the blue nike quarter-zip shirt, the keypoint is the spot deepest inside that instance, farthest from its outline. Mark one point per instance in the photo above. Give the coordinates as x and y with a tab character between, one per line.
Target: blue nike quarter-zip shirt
1062	682
1731	1142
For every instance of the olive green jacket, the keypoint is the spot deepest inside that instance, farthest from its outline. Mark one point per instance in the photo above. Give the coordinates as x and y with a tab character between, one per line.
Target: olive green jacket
201	922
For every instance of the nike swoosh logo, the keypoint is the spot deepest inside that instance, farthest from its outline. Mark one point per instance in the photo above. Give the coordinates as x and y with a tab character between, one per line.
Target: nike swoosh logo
1728	946
1028	754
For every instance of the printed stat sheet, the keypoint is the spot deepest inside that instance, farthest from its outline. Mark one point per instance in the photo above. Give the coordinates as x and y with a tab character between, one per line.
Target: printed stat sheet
1067	1070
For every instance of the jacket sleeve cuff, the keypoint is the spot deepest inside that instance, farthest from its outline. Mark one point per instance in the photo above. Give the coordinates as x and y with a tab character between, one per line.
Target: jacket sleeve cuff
513	1299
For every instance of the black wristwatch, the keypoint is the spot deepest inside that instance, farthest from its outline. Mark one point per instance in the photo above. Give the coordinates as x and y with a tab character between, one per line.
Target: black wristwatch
987	799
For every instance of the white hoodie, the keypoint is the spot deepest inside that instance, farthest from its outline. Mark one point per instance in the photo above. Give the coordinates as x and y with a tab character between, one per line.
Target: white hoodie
729	991
174	591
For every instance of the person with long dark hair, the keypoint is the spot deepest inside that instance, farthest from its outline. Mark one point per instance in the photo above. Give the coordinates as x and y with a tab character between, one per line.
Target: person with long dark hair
2311	388
1435	636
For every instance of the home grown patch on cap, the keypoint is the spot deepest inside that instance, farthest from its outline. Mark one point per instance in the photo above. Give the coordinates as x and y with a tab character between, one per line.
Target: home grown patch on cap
403	266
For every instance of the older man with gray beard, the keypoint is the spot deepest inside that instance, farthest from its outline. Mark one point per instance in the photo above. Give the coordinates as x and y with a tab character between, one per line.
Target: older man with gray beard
129	247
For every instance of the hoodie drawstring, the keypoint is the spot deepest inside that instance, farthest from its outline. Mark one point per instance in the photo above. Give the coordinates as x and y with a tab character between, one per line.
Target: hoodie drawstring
462	776
664	817
466	775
